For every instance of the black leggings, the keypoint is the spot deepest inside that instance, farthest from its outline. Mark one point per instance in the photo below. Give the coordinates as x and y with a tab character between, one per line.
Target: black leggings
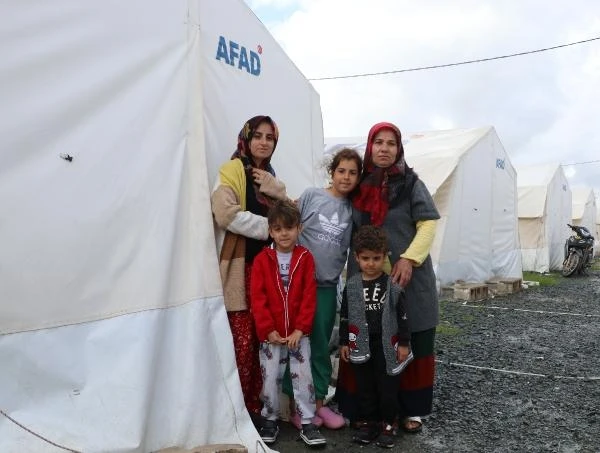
377	391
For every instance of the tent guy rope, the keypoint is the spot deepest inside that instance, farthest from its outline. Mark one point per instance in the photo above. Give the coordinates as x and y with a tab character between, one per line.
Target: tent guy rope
38	435
525	310
516	372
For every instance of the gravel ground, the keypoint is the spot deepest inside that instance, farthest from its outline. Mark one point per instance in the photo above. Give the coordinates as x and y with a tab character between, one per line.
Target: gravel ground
516	373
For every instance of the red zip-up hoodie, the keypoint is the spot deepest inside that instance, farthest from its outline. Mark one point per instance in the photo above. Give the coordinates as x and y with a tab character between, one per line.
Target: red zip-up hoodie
272	307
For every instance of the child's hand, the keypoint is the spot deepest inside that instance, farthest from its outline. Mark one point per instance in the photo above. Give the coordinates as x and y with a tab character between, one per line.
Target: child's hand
275	338
345	353
293	340
402	353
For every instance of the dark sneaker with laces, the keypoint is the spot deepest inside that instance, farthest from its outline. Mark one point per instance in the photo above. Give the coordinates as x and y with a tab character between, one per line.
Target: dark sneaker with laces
269	431
386	437
367	433
311	435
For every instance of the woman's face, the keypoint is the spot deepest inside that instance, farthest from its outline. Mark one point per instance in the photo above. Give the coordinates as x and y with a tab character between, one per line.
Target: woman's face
385	148
262	143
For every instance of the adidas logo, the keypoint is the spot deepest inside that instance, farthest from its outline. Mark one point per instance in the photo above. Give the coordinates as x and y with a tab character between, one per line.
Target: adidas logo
333	225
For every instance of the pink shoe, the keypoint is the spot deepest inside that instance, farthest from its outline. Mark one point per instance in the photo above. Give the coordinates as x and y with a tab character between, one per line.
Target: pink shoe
317	421
297	421
331	419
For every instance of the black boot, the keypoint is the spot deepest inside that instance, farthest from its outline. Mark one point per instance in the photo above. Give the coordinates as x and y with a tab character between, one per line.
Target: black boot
386	437
367	433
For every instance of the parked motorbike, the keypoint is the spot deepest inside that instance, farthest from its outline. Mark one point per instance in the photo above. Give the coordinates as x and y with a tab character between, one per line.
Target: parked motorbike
579	250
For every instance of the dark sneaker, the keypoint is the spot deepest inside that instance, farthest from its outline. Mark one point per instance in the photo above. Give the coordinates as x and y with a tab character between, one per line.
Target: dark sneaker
269	431
311	436
367	433
386	437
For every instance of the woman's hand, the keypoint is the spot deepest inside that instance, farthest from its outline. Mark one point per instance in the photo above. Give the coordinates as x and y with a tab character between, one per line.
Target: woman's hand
402	272
269	184
260	176
345	353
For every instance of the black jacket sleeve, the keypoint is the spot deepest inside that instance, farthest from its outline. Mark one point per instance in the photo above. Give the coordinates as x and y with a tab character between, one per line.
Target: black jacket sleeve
403	330
344	319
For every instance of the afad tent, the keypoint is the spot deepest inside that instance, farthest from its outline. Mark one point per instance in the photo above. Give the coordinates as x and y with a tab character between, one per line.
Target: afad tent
115	117
473	184
544	212
585	209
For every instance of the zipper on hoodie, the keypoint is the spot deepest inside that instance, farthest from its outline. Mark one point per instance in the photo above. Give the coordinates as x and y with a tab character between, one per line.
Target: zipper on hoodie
284	294
292	271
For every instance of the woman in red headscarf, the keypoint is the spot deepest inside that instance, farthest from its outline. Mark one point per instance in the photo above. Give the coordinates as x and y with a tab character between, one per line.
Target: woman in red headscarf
392	196
244	191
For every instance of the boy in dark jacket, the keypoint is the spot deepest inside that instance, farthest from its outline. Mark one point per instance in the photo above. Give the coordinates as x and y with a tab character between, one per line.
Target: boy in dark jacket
374	337
283	299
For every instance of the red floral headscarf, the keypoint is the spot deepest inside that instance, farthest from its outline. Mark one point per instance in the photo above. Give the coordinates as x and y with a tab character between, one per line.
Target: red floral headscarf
244	138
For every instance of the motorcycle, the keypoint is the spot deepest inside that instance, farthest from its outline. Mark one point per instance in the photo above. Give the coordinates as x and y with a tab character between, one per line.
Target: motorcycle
579	250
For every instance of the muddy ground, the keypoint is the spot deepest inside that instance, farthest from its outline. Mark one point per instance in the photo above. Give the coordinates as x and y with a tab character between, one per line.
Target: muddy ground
516	373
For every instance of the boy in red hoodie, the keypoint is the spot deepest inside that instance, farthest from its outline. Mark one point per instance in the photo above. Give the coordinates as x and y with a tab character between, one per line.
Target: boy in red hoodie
283	299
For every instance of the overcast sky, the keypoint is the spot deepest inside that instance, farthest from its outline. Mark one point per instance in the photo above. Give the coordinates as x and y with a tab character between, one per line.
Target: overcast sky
545	106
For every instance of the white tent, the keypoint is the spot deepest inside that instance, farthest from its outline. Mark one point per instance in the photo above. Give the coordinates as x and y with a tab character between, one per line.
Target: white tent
585	209
473	184
114	119
597	234
544	211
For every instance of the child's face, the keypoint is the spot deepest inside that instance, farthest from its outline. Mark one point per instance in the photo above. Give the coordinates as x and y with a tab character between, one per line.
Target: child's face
370	263
344	178
285	237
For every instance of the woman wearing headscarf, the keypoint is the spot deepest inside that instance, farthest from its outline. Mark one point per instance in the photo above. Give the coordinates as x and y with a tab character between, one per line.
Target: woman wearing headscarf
243	193
392	196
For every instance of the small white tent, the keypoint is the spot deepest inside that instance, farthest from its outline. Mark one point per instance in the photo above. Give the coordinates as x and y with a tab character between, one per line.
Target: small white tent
114	119
585	209
544	212
473	184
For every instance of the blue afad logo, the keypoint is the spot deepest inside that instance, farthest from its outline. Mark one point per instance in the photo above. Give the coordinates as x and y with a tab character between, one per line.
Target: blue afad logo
235	55
500	163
